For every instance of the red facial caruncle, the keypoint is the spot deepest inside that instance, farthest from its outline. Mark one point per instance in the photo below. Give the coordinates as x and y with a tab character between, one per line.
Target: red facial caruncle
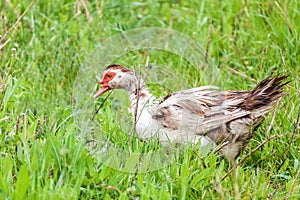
107	76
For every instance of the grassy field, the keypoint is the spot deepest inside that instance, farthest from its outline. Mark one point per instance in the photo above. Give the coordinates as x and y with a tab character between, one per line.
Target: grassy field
45	43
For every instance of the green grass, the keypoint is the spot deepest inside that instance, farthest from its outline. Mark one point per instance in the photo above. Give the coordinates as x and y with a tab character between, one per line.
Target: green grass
41	155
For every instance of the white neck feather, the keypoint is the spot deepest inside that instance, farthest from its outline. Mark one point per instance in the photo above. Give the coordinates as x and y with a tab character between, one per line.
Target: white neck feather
140	99
142	105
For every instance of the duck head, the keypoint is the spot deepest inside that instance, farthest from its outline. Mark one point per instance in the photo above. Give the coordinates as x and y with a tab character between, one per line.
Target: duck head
116	77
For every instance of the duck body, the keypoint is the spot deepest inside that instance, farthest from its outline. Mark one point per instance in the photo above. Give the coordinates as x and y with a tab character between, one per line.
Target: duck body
202	115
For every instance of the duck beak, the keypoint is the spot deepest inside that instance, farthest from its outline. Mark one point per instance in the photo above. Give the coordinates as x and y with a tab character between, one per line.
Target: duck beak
102	90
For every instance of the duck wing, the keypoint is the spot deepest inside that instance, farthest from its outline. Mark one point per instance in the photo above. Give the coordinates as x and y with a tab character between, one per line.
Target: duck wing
200	110
225	115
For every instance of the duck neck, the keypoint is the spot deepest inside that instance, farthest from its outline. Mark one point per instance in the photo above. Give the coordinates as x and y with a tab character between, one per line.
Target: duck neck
140	98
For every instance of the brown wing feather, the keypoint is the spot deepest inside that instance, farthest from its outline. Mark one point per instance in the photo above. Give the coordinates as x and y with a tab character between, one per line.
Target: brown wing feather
265	93
200	109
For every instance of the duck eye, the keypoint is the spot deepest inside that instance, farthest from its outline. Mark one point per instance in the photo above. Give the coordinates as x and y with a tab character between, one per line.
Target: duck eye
108	75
